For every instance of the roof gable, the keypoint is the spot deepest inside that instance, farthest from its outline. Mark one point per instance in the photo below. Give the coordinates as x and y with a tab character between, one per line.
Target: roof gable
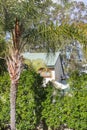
49	60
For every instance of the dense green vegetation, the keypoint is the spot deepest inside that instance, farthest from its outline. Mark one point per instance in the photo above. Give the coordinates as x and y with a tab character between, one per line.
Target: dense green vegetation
4	101
30	94
35	103
2	55
69	110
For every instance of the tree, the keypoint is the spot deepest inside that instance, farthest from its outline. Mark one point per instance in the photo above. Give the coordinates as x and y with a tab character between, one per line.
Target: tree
23	10
14	63
69	12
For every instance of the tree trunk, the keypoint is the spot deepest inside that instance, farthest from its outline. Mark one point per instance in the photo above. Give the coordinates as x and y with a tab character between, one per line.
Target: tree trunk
13	91
14	63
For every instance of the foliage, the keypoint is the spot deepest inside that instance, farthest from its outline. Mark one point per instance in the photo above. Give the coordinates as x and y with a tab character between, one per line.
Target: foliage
82	27
68	11
75	111
35	103
2	47
4	100
78	81
35	64
77	108
3	67
29	12
37	24
70	110
2	54
51	37
29	99
38	64
29	96
52	107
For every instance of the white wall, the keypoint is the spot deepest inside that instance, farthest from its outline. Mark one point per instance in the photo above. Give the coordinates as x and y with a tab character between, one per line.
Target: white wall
52	76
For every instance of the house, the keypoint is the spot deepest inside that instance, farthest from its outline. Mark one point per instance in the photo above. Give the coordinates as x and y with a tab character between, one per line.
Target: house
54	69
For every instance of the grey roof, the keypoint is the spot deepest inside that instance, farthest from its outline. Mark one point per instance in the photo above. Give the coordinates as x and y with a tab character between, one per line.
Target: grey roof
49	59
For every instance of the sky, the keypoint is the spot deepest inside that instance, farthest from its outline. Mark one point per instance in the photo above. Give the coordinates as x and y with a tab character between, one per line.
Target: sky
85	1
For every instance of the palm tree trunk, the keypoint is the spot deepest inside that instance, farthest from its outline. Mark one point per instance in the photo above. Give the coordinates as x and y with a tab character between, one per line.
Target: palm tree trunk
14	63
13	90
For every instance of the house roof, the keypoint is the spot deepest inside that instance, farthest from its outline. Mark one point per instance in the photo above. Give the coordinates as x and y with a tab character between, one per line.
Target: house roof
49	59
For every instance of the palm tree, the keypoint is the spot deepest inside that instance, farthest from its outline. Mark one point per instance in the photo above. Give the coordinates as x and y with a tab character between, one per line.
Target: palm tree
14	63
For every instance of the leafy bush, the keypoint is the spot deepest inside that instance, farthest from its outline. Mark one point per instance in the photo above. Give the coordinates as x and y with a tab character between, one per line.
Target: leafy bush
69	110
28	105
52	107
35	103
29	97
4	101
